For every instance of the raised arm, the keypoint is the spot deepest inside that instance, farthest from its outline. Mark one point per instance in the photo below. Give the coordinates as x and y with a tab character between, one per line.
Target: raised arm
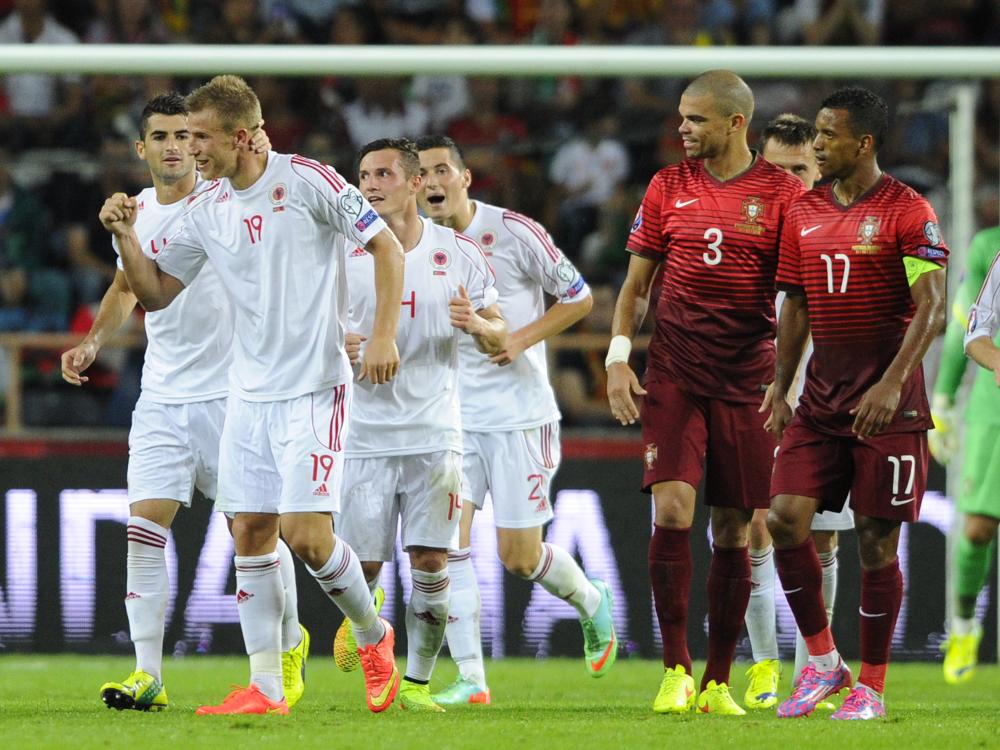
116	305
381	357
153	288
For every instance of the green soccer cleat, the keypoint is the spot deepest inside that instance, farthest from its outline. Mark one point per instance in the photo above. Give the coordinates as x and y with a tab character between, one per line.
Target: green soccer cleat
293	669
462	692
961	654
140	691
345	648
676	693
762	692
600	646
416	697
715	699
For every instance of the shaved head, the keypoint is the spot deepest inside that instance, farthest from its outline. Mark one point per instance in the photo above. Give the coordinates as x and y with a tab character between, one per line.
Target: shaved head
730	93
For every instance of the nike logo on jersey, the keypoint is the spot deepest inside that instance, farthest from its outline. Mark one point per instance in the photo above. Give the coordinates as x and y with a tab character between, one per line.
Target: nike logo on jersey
810	230
894	501
680	204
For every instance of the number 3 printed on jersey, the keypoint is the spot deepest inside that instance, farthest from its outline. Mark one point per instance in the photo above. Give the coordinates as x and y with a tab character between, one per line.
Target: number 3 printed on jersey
714	237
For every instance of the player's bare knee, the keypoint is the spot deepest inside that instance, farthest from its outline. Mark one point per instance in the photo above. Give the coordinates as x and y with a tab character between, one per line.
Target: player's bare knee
371	569
825	541
428	559
980	530
877	541
759	536
255	533
519	560
785	526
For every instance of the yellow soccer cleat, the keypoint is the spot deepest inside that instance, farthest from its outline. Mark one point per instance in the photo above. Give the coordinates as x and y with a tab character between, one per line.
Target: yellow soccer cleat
715	699
345	648
416	697
961	654
676	693
140	691
293	669
762	692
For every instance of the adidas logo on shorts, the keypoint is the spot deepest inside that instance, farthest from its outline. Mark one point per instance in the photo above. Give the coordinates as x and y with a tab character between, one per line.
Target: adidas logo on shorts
321	491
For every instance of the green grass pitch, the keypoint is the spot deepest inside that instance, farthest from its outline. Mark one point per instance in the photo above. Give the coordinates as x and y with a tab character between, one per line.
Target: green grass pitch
51	702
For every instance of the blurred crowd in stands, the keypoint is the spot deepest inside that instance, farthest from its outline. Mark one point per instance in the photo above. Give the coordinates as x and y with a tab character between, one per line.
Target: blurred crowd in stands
575	153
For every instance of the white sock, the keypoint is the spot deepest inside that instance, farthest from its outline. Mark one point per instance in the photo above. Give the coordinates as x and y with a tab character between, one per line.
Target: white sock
426	618
344	582
962	626
462	632
760	616
558	573
829	562
260	600
826	662
290	632
147	592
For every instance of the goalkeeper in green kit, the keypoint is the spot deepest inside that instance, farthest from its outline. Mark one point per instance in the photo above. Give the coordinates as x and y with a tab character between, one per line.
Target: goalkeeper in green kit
979	482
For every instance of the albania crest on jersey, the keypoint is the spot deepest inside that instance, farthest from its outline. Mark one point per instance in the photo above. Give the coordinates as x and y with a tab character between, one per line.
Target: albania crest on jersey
440	261
278	195
867	236
752	210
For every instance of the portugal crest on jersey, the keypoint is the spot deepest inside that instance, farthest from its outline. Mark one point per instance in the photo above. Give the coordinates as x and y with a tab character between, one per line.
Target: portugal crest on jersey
867	236
649	456
752	210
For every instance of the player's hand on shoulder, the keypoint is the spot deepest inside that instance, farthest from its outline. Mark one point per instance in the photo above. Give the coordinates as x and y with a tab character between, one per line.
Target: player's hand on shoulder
76	360
876	409
381	360
260	143
781	413
352	345
622	385
118	213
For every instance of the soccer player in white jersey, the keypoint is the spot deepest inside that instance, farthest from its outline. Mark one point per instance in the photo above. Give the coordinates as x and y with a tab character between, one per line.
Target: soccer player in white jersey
272	225
177	423
984	324
510	420
411	475
787	142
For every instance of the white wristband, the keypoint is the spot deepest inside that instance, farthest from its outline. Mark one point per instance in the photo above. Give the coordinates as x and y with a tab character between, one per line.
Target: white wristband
618	350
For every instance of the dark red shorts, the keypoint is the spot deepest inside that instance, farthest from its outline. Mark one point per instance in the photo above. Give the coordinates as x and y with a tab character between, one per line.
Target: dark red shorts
686	436
885	475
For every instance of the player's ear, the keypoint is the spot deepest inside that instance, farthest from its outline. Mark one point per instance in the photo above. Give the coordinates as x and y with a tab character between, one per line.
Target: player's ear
466	178
140	150
866	144
737	122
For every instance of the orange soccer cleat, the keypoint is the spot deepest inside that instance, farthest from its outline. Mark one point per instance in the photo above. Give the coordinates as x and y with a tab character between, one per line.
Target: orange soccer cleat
381	675
245	700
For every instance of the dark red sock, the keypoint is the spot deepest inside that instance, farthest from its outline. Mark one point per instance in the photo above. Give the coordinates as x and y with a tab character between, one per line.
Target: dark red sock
881	596
728	596
801	578
670	570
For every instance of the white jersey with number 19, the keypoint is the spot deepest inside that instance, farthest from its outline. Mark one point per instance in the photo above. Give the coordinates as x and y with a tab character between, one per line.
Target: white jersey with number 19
418	410
278	248
527	264
189	344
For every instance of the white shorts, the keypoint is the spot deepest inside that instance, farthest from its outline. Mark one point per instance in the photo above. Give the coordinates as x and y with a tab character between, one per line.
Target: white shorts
423	490
840	520
516	468
284	456
173	448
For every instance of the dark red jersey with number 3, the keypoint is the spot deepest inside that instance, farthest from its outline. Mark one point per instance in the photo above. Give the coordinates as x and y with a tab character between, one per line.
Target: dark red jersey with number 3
718	241
848	261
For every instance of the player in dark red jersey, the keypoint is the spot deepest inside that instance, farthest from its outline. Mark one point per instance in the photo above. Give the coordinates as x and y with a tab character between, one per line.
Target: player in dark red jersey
861	263
713	223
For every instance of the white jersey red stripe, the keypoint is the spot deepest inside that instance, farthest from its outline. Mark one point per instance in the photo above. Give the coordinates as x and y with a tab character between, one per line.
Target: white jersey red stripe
421	404
528	265
188	344
278	247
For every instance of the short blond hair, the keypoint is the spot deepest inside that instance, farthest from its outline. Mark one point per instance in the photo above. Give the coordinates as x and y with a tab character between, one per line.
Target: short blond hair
231	98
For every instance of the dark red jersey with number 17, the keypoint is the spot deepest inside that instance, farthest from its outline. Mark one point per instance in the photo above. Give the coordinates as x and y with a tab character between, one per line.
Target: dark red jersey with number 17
718	241
848	261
